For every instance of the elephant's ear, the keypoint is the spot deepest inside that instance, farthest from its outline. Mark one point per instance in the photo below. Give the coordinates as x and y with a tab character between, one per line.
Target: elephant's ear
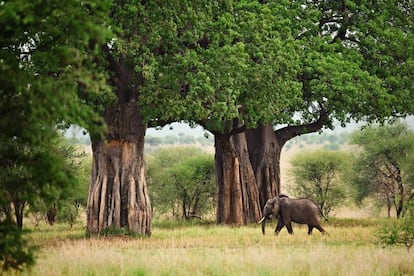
275	205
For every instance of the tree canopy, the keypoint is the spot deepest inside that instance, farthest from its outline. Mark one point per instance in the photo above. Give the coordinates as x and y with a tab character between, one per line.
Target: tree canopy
280	62
215	61
45	61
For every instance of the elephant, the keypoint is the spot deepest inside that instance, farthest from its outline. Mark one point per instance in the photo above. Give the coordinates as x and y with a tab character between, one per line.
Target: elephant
286	210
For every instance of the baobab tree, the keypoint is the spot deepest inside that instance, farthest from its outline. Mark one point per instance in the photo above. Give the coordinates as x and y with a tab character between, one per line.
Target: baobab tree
355	65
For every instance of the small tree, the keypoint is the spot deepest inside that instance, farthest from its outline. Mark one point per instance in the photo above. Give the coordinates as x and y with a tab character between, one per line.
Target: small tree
382	168
317	175
181	181
62	200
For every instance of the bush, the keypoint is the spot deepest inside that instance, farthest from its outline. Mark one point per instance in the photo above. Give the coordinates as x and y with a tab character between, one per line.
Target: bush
399	231
181	181
14	252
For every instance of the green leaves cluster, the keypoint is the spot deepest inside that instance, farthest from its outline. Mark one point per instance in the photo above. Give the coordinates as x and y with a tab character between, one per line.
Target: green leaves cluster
209	62
61	202
400	232
181	181
215	57
14	250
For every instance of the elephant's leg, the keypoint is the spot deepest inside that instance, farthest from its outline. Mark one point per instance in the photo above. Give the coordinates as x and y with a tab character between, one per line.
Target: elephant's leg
289	227
320	229
279	226
310	228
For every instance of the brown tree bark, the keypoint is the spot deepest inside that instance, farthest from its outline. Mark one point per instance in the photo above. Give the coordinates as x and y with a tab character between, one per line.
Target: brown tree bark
265	148
238	201
264	151
118	196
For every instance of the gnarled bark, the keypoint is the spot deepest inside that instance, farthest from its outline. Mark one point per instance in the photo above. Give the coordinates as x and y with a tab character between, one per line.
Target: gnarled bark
238	201
264	152
118	195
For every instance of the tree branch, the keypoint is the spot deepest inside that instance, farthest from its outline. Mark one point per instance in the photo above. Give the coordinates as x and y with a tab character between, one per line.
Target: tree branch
115	66
289	132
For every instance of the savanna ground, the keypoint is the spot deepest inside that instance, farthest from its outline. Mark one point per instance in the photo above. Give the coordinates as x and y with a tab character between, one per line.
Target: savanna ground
201	248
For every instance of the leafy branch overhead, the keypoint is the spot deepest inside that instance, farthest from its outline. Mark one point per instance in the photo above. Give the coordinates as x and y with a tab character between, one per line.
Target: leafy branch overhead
285	62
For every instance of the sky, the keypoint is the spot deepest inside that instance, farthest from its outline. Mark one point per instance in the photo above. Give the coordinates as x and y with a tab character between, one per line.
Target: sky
175	129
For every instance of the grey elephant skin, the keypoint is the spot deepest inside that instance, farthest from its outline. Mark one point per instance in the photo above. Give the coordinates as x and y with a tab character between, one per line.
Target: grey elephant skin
288	210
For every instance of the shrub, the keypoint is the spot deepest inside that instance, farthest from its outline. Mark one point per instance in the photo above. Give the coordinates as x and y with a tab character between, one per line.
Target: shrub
399	232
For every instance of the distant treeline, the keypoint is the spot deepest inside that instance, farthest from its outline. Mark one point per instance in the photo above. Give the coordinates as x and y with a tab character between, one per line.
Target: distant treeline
332	141
180	139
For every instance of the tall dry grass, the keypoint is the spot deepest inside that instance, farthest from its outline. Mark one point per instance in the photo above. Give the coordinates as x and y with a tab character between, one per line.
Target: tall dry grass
350	249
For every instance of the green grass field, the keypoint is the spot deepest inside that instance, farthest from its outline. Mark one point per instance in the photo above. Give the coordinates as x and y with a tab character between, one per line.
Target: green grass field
351	248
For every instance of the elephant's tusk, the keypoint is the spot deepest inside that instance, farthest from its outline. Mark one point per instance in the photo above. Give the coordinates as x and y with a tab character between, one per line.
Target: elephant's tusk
260	221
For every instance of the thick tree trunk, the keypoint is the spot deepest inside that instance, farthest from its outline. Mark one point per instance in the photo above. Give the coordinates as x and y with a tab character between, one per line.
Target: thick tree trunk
265	148
264	152
238	201
118	195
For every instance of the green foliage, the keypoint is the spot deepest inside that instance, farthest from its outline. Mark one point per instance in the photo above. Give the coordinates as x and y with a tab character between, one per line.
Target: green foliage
75	196
48	77
318	175
399	232
210	62
63	202
14	251
353	65
382	168
283	61
181	181
408	167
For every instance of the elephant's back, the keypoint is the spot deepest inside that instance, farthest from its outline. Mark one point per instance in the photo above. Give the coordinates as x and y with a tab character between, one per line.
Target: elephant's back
305	211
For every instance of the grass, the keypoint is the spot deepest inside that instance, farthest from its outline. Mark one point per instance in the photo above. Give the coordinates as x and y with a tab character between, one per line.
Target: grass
351	248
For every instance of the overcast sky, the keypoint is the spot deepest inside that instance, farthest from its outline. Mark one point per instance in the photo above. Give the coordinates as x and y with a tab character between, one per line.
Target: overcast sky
176	128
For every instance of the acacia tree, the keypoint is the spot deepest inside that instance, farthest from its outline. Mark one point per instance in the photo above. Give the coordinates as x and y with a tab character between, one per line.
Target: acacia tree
320	175
356	61
380	166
